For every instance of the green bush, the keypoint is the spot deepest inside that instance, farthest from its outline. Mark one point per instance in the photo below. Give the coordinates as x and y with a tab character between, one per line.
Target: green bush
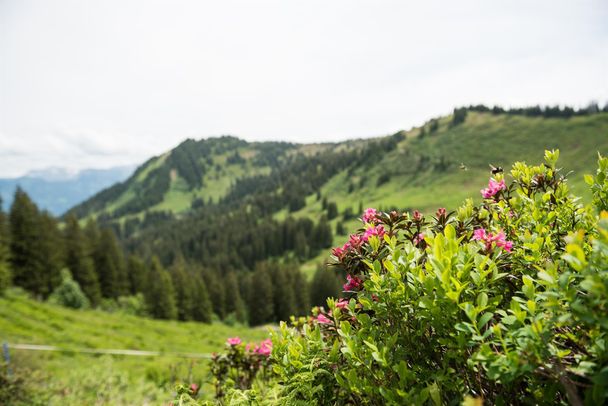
69	294
502	303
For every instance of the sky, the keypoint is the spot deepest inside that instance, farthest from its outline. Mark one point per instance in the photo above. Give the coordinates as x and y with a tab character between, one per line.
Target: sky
101	83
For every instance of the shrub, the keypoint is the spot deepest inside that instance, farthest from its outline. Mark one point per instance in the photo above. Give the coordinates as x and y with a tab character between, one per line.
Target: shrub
505	302
69	294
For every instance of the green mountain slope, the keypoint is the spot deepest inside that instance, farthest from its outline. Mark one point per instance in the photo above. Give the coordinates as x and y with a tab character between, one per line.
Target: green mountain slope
215	201
77	379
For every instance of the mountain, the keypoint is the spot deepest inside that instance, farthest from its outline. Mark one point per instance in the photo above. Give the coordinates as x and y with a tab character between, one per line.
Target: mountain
227	202
58	189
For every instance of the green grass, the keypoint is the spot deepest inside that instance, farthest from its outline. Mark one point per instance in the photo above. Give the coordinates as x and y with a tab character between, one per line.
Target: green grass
77	379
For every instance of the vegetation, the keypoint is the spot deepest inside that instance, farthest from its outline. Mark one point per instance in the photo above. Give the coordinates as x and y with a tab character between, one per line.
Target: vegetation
66	378
502	302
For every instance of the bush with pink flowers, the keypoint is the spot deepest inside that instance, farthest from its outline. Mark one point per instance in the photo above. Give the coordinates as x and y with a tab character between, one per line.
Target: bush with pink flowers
504	302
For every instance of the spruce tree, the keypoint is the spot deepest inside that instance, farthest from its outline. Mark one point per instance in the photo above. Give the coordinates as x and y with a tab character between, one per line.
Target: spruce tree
202	310
234	301
5	273
137	272
301	292
28	271
216	293
324	284
108	260
321	235
78	260
184	290
50	252
160	294
283	295
261	301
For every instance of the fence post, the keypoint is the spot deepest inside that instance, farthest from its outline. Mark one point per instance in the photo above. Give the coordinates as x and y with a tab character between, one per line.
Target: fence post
7	358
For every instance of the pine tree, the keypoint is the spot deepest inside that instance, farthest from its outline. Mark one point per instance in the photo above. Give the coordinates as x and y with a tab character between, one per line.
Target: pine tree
26	263
78	260
234	302
184	290
283	293
301	246
137	272
216	293
50	252
108	263
160	294
324	284
5	273
301	292
261	301
202	310
322	236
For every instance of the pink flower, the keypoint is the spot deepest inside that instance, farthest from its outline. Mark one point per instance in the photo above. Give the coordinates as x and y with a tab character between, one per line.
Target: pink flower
488	239
194	388
339	252
265	348
250	347
377	231
418	239
321	319
441	212
369	216
342	303
233	341
493	188
417	216
352	283
355	242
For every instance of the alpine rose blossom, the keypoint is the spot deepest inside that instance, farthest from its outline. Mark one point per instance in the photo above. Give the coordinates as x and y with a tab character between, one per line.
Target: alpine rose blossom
265	348
233	341
369	216
493	188
322	319
378	231
488	239
342	303
352	283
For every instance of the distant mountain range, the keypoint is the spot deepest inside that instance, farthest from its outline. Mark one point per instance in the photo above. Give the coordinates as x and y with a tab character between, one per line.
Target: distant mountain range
58	189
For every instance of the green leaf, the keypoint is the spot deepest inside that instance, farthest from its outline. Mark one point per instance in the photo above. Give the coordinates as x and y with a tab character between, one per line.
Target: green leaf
483	320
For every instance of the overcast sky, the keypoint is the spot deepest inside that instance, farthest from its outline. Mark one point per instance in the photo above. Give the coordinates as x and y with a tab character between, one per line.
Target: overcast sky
103	83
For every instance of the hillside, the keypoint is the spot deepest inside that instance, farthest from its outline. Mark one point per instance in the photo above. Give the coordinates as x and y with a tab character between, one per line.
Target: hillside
56	191
172	204
106	379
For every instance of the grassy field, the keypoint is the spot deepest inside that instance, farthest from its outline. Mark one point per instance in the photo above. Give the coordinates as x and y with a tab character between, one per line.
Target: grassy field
83	379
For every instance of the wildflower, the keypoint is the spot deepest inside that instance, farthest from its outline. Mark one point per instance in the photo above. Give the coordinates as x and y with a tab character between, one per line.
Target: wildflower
233	341
265	348
369	216
441	212
194	388
493	188
342	303
355	242
377	231
418	239
417	216
488	239
321	319
250	347
339	252
352	283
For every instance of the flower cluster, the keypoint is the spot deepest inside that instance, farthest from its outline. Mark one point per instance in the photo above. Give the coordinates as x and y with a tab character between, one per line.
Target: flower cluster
370	216
493	188
264	348
378	231
353	283
488	239
232	341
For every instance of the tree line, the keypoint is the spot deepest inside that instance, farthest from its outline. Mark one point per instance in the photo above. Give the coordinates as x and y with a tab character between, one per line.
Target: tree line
35	248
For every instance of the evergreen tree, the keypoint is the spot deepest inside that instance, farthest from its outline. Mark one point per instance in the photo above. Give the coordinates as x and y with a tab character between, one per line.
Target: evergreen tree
108	263
136	269
340	230
5	273
332	210
184	290
301	246
261	301
234	301
26	260
160	294
301	292
78	260
282	293
216	293
322	236
324	284
50	252
202	310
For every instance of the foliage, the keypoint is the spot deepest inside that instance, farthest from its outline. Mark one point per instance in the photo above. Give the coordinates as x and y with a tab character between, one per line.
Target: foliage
69	294
160	294
505	301
599	184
